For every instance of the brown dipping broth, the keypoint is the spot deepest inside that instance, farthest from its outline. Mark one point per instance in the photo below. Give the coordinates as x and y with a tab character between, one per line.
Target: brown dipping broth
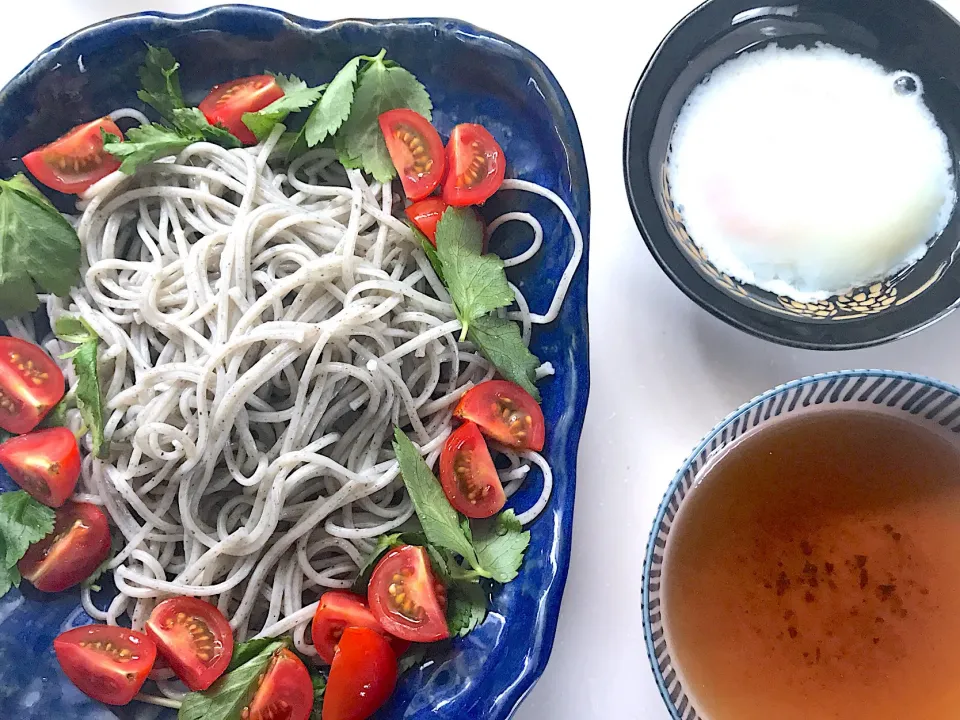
814	573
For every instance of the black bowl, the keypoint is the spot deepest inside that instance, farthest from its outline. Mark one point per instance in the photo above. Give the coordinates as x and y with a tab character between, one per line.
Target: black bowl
914	35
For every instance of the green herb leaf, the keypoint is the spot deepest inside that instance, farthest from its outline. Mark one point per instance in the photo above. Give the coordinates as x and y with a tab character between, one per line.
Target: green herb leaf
228	696
384	543
500	546
88	396
145	144
9	577
57	417
23	521
382	87
38	247
93	582
334	107
192	123
500	342
477	282
246	651
160	82
466	606
411	659
429	250
319	690
440	521
297	96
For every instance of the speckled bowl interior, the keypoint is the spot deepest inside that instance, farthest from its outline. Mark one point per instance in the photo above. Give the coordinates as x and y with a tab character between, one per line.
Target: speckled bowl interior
922	400
918	36
472	76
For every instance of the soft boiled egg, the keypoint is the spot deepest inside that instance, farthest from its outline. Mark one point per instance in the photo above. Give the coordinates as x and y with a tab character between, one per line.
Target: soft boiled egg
810	171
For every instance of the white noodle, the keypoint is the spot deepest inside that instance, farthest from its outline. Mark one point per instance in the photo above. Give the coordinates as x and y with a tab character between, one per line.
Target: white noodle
264	329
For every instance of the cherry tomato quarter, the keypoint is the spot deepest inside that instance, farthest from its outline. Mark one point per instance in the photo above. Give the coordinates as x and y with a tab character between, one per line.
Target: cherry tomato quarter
45	463
108	663
30	385
79	543
195	639
406	598
476	166
284	693
416	150
226	103
76	160
362	677
468	475
505	412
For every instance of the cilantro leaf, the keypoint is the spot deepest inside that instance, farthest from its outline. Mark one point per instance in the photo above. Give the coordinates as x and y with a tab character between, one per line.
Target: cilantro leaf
23	521
297	96
499	341
500	546
93	581
246	651
441	523
466	606
319	690
145	144
384	543
192	123
9	577
477	282
334	107
411	659
57	417
161	82
228	696
429	250
88	395
38	247
383	86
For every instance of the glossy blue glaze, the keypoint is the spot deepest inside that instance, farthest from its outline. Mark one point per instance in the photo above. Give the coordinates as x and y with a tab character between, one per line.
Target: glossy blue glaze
472	76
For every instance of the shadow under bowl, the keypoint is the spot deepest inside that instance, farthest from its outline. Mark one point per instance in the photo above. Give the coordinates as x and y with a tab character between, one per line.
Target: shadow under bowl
917	36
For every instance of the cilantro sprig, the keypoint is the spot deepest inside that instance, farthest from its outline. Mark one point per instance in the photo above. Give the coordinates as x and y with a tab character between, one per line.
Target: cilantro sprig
160	81
39	249
88	396
23	521
478	286
465	556
296	96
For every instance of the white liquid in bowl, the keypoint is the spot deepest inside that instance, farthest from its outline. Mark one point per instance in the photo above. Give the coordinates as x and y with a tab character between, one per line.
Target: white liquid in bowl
810	171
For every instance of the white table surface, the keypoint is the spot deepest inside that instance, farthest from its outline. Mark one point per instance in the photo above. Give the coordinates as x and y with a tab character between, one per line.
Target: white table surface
663	370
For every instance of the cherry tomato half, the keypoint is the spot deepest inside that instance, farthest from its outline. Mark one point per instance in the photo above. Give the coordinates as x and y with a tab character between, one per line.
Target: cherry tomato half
406	598
477	166
80	541
194	637
75	161
505	412
339	610
468	475
362	677
416	150
30	385
108	663
285	693
45	463
225	104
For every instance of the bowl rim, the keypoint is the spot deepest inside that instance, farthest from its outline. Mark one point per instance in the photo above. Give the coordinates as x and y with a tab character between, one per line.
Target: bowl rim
735	319
538	653
717	429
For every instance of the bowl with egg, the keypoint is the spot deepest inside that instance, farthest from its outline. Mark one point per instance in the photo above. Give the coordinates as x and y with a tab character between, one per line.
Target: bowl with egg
793	168
805	560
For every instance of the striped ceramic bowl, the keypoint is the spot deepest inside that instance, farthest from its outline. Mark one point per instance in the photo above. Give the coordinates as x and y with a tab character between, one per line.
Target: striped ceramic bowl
921	399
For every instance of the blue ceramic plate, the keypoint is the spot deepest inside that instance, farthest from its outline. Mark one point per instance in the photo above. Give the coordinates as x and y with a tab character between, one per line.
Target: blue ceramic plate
472	76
